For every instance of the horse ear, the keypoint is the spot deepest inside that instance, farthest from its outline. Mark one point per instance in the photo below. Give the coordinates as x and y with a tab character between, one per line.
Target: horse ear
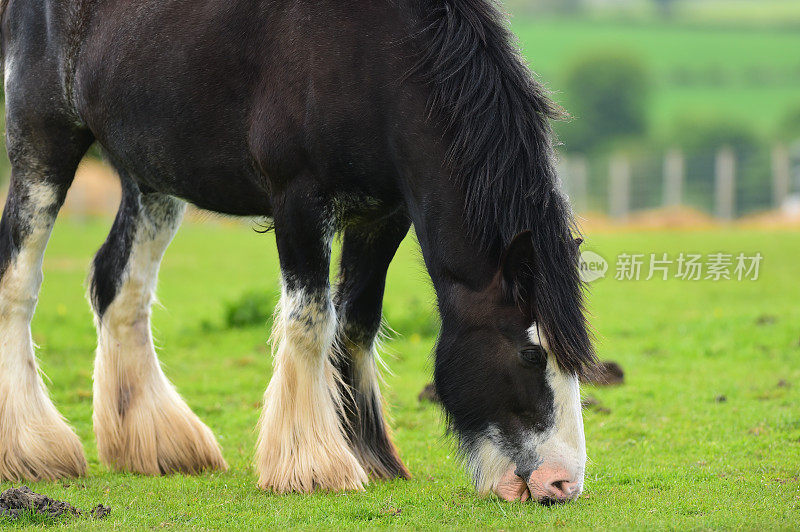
518	258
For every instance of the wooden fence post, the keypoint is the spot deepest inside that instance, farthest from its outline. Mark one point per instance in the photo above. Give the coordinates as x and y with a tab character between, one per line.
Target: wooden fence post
579	175
780	175
725	184
674	176
619	189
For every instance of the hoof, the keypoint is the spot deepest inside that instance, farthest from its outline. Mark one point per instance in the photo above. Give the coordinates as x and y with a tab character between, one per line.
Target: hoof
304	470
37	444
301	445
382	464
154	433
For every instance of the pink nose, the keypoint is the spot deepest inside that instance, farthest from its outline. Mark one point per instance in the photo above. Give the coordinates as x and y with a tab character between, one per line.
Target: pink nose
553	484
547	485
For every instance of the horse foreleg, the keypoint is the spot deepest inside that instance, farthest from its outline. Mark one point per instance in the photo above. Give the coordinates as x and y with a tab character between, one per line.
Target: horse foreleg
302	444
366	254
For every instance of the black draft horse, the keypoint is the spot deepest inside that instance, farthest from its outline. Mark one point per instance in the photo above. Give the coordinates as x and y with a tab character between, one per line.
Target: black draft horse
327	117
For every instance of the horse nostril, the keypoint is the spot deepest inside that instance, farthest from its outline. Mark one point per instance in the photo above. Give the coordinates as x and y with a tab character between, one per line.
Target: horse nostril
563	490
550	485
560	490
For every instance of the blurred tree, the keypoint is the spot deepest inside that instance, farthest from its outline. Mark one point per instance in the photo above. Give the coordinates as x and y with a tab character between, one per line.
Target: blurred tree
543	6
607	93
569	6
665	7
696	133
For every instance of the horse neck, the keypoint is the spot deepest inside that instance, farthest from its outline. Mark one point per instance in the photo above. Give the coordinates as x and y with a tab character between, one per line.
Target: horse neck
452	257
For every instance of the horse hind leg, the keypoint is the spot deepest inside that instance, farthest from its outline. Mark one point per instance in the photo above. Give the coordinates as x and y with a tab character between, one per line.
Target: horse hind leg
366	255
140	421
35	441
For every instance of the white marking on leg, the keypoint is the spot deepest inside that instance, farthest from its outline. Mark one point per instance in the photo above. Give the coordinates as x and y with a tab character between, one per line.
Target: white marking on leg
366	373
141	422
35	440
301	444
370	409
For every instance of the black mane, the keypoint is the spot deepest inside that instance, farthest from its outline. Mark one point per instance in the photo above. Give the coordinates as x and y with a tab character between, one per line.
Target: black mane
501	154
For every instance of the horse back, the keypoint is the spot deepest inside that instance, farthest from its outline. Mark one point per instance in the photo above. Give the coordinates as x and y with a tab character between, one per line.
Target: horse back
227	102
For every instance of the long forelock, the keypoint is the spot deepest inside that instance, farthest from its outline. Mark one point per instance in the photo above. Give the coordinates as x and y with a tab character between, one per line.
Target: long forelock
497	118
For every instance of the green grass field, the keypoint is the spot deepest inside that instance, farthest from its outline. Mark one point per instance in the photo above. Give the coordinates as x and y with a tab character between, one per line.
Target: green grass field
664	452
736	73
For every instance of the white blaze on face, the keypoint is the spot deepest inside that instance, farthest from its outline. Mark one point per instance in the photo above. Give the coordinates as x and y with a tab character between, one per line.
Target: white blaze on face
564	445
535	336
560	448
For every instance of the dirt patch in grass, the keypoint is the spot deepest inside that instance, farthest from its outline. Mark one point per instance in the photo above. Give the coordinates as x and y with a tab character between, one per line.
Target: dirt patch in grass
15	502
684	218
604	374
429	394
590	402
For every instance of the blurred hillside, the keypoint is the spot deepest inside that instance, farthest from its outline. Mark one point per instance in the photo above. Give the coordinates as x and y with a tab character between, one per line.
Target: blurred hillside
767	13
673	102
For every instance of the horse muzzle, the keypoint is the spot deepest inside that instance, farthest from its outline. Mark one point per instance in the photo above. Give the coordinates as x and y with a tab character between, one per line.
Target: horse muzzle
548	484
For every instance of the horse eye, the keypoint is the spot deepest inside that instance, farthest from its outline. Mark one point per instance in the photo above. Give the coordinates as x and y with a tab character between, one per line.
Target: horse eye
534	354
